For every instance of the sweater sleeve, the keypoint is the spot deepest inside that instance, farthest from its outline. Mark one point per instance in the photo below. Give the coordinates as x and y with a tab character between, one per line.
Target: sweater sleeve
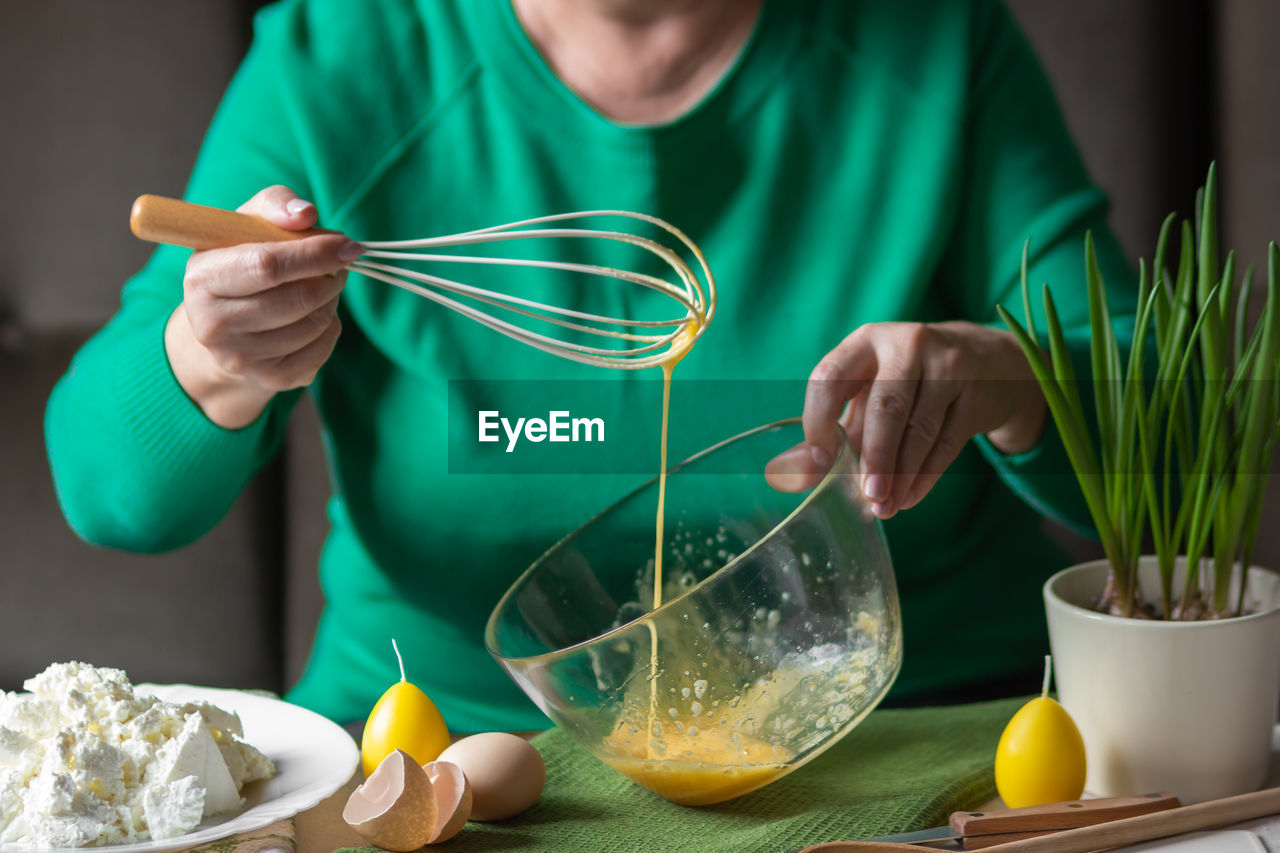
1024	179
136	464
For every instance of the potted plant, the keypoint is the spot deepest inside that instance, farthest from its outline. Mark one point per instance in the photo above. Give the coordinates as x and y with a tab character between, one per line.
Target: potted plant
1169	659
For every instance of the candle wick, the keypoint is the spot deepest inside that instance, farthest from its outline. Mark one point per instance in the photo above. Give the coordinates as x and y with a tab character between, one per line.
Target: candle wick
1048	671
400	660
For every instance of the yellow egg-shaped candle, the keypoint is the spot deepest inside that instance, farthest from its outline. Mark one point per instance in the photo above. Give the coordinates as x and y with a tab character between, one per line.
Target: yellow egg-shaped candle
1040	758
403	718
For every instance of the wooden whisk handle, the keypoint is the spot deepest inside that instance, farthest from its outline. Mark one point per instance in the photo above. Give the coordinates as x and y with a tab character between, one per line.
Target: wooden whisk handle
180	223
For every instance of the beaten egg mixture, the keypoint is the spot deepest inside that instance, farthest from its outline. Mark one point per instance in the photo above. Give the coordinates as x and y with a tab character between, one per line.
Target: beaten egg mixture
84	760
697	769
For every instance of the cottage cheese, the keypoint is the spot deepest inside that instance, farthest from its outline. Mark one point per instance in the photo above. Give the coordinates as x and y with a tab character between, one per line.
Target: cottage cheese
84	760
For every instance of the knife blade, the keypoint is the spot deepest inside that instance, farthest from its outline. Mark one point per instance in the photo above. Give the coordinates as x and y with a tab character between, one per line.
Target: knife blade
978	830
938	838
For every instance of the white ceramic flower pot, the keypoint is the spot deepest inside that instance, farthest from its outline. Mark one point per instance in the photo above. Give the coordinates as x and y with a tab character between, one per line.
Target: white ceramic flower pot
1186	707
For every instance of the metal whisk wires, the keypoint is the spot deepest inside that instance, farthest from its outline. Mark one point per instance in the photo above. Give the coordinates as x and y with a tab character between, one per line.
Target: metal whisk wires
641	349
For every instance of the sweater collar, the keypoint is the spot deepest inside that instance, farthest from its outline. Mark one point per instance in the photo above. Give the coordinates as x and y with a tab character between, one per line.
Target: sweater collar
521	75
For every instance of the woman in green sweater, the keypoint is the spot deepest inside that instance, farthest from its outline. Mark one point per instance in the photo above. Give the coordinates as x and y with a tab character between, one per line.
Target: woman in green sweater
861	175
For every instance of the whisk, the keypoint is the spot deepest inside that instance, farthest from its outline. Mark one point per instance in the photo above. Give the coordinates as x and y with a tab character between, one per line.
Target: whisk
641	343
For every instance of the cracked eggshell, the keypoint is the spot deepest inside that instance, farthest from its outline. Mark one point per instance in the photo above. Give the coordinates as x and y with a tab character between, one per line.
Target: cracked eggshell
453	799
506	773
395	808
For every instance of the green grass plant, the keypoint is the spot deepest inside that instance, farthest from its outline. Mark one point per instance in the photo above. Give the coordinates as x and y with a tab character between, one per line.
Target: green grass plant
1180	457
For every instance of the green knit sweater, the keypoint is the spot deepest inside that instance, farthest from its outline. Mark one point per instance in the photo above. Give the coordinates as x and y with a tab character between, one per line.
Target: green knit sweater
862	161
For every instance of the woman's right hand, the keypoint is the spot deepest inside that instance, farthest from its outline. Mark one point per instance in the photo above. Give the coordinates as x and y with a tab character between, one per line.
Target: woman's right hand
258	318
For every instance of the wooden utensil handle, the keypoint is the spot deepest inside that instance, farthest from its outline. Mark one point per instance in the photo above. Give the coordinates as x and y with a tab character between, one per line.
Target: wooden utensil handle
1104	836
1052	817
167	220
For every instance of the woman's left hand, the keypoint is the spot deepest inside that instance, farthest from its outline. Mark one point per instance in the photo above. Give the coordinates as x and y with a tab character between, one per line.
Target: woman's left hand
909	396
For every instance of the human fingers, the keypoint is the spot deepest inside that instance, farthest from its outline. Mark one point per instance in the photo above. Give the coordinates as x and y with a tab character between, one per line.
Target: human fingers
239	353
956	431
797	469
255	267
837	379
298	368
248	268
851	421
890	399
220	324
934	397
281	206
279	306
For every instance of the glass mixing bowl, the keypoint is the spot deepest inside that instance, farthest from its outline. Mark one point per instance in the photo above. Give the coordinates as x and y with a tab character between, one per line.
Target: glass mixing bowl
778	633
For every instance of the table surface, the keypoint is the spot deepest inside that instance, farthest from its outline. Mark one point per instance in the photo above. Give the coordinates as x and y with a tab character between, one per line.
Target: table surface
322	830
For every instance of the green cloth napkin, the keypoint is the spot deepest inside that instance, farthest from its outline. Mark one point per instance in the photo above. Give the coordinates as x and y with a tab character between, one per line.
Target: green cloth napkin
899	770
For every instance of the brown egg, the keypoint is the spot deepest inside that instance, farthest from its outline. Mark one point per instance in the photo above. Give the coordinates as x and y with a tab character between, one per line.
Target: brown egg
395	808
453	799
506	773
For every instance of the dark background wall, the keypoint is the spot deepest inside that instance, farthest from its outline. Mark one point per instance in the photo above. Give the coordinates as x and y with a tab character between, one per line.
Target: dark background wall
102	101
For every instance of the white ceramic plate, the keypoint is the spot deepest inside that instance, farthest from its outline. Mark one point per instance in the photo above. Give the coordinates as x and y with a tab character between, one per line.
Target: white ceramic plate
314	758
